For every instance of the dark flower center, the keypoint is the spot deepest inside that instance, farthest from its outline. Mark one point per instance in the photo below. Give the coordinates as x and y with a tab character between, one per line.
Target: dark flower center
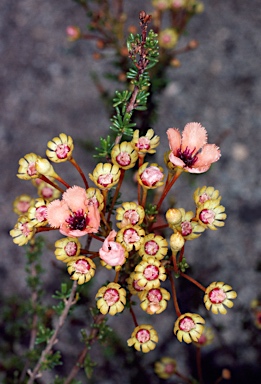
77	220
188	156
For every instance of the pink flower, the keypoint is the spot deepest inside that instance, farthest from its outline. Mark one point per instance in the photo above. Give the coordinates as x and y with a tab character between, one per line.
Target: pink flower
112	252
191	151
75	215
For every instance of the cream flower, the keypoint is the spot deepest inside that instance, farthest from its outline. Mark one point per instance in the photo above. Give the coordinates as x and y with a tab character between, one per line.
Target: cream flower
81	269
23	231
150	177
131	237
149	273
144	338
168	38
111	299
204	194
38	213
74	216
129	213
27	169
60	148
67	248
206	338
95	198
47	192
105	176
145	144
154	245
22	203
191	151
133	285
211	214
188	228
189	327
124	155
165	367
217	295
154	300
113	253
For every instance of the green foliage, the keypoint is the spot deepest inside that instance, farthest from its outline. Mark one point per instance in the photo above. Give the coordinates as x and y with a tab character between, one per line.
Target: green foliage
183	265
44	334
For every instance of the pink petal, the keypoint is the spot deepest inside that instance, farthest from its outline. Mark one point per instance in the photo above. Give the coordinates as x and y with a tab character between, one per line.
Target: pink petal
194	136
94	219
174	138
66	231
210	153
76	198
57	213
176	160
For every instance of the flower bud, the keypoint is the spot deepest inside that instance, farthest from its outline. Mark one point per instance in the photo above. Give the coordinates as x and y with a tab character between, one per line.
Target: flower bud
44	167
173	216
176	242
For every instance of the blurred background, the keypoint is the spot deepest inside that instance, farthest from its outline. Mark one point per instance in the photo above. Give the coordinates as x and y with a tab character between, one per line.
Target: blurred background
46	88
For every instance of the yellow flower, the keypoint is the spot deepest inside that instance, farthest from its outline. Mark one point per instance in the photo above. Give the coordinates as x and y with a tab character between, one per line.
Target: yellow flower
67	248
95	197
27	169
131	237
204	194
60	148
105	176
133	286
23	231
173	216
189	327
165	367
81	269
111	299
145	144
22	203
149	273
154	245
188	228
206	338
129	213
150	177
144	338
217	295
44	167
154	300
211	214
47	192
124	155
168	38
176	241
38	213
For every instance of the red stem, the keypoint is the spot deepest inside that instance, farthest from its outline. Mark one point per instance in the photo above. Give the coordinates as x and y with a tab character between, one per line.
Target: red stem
200	286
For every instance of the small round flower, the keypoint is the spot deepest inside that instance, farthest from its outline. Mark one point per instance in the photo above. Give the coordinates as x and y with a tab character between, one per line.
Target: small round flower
23	231
211	214
204	194
67	248
145	144
124	155
81	269
154	245
133	285
150	177
22	203
144	338
149	273
165	367
189	327
105	176
161	5
154	300
95	198
60	148
73	34
131	237
27	169
47	192
111	299
74	215
188	228
129	213
111	252
176	241
168	38
173	216
217	295
38	213
206	338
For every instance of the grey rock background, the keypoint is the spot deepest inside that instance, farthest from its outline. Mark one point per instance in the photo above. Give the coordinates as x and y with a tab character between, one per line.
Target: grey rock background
45	89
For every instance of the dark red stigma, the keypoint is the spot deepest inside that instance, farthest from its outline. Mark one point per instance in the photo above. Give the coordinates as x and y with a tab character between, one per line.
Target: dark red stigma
187	156
77	221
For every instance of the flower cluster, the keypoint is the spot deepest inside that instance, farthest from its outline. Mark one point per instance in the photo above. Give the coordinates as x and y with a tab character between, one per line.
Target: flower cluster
142	256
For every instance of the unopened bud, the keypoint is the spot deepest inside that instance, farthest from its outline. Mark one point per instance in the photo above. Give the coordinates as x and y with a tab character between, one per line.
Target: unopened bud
226	374
176	242
44	167
173	216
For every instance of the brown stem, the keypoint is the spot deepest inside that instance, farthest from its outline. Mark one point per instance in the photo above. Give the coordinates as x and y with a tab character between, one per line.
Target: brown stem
200	286
168	186
116	194
46	180
68	304
184	378
133	317
76	165
199	367
174	295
